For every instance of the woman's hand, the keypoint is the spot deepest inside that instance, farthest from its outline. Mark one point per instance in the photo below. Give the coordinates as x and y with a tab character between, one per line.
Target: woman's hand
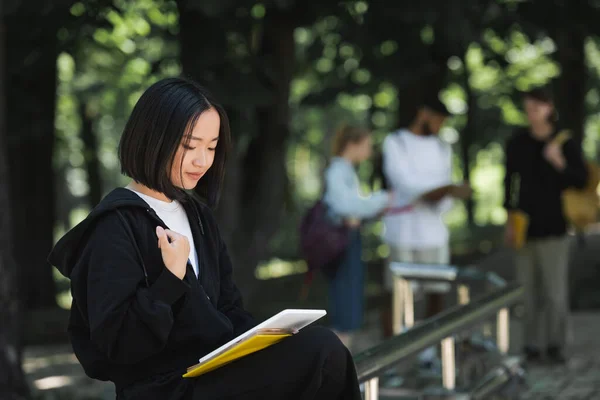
462	191
509	235
554	155
352	222
175	249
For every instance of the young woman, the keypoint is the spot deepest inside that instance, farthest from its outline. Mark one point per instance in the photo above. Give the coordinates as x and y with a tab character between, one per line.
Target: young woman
538	169
351	146
152	280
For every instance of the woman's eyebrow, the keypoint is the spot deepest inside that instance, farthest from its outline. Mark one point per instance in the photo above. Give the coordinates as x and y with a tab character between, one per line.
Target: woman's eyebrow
200	139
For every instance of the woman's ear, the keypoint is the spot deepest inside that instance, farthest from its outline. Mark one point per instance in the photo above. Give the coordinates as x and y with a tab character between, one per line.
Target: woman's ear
554	113
550	111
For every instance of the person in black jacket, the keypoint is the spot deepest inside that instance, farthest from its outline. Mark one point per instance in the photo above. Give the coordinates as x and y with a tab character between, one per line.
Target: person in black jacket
149	301
538	169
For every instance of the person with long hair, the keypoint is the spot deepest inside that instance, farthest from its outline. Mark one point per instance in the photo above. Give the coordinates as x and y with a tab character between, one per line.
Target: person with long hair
152	280
351	146
538	169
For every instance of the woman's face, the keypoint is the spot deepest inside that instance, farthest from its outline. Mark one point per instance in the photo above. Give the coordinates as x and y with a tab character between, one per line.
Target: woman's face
434	123
195	158
363	149
538	111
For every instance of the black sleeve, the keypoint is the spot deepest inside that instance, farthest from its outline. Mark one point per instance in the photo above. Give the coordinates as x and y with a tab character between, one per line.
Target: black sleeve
230	298
128	321
575	173
510	170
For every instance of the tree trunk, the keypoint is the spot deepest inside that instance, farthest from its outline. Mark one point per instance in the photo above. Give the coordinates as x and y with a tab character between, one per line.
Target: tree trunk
568	23
265	175
31	69
253	199
570	96
228	211
466	141
204	61
201	61
12	381
90	151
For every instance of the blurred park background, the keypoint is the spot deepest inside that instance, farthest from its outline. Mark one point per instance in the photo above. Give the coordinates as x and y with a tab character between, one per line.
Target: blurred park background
288	72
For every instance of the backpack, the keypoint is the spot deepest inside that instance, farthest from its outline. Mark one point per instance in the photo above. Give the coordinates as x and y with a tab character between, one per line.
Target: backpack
95	363
580	206
322	243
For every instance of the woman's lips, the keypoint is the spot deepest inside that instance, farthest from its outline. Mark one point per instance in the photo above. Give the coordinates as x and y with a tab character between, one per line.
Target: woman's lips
194	176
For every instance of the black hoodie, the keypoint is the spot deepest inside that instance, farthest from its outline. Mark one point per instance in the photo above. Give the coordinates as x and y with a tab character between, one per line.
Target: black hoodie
538	189
131	318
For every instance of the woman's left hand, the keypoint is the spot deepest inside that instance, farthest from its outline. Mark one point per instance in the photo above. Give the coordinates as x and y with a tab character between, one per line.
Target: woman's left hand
352	222
554	154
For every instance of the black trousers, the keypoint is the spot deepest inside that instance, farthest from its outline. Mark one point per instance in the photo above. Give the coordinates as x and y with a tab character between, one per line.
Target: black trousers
311	365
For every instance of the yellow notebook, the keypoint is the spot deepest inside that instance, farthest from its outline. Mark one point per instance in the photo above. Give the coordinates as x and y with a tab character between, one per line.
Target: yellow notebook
253	344
273	330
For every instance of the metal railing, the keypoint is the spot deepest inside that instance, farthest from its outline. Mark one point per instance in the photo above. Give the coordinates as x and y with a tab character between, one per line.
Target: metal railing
441	328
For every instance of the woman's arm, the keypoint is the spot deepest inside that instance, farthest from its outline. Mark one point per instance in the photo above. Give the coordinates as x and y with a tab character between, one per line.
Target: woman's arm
128	321
446	202
230	299
575	173
344	198
509	173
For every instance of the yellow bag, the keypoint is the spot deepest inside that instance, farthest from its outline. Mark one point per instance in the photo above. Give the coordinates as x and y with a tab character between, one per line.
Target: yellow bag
580	206
519	221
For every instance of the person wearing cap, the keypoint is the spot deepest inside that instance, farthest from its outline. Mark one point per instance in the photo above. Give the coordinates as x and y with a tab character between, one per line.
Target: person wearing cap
417	167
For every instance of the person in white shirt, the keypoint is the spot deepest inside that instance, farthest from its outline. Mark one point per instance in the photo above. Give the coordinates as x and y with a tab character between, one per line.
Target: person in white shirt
417	167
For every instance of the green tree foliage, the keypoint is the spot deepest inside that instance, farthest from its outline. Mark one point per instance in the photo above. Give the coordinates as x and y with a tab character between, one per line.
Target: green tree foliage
361	62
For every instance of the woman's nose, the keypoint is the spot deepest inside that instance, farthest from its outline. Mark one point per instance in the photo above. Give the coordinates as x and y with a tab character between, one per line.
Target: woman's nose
200	160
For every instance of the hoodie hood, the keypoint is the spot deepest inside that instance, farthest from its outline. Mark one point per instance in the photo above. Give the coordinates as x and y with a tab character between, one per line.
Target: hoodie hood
65	253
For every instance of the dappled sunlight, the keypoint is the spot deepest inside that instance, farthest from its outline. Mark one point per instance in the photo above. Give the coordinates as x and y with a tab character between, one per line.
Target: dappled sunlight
53	382
64	299
277	268
33	364
450	135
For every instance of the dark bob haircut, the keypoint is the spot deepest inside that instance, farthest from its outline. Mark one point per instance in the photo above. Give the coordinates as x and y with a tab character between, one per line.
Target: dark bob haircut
434	104
543	94
164	116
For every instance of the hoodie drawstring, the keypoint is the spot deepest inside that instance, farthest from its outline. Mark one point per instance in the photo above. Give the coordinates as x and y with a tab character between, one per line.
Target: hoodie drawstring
137	249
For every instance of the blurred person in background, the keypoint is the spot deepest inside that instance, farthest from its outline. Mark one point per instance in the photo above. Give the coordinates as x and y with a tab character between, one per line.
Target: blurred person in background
538	169
351	146
417	168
